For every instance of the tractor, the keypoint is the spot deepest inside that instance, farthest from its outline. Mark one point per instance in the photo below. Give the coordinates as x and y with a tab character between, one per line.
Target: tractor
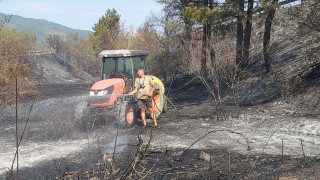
110	94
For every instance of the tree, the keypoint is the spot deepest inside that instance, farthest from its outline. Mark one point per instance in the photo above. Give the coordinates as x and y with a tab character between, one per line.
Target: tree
56	42
247	34
239	36
206	36
106	31
164	38
243	11
80	53
174	10
270	8
5	20
14	62
203	12
76	51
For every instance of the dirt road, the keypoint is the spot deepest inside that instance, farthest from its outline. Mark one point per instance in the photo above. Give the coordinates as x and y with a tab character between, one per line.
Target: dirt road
53	142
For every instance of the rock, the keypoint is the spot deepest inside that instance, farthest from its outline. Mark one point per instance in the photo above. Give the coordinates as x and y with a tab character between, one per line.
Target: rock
205	156
94	178
107	157
176	153
289	111
290	177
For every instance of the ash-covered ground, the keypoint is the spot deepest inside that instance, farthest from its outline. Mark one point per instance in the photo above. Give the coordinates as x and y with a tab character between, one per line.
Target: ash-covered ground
276	139
268	129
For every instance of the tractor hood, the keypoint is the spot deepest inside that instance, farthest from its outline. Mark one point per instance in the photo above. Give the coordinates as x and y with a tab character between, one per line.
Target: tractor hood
106	92
118	83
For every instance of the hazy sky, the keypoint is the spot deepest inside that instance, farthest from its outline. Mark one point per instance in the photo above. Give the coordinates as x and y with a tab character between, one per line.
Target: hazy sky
81	14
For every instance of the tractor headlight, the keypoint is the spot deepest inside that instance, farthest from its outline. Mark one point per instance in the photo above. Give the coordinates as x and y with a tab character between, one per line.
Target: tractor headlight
91	93
102	93
99	93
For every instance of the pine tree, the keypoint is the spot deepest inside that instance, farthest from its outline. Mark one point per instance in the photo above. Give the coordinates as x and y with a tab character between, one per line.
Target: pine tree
106	31
247	34
270	8
239	36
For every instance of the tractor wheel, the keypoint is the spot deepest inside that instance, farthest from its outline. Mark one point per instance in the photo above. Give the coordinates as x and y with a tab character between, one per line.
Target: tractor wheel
158	101
130	114
125	114
83	122
90	119
165	104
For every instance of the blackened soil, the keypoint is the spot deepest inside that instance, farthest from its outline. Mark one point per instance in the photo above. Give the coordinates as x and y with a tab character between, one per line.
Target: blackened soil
246	145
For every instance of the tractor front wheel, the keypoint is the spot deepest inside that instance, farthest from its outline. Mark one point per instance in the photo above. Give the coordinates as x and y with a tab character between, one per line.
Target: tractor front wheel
126	113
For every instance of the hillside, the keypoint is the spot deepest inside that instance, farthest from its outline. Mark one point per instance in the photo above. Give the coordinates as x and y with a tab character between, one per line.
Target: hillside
53	69
40	27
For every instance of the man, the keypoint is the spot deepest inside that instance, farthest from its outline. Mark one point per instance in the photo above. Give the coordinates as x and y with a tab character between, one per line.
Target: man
144	88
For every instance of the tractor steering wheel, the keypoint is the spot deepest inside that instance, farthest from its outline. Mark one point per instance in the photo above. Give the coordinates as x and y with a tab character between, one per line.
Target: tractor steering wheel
117	75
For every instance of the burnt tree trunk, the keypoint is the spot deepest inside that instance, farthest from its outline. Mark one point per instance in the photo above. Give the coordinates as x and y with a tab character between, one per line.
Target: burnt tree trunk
247	35
205	35
209	36
204	52
187	29
240	17
266	38
187	23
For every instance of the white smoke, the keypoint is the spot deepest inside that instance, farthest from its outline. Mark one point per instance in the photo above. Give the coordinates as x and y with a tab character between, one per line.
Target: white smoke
122	141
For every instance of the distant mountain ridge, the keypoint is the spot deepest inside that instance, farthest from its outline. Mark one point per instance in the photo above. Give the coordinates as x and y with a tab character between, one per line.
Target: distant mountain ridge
41	28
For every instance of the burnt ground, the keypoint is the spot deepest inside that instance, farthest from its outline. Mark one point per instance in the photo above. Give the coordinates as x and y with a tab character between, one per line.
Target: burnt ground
273	134
268	141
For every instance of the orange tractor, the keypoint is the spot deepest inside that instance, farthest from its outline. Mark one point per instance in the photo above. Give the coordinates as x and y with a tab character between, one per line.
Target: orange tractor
119	68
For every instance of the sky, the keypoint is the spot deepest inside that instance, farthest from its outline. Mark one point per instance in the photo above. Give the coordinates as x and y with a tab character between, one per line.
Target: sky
82	14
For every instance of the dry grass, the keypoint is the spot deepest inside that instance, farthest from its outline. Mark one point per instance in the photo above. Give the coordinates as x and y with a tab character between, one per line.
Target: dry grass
14	64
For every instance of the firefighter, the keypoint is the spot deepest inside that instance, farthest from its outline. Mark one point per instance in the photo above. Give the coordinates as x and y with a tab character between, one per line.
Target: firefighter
144	88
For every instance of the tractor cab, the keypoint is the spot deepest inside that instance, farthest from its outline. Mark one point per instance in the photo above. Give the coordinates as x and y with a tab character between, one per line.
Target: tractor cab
122	64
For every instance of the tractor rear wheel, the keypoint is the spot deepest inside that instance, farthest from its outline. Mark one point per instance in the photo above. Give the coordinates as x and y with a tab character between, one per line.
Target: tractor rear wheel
126	113
165	104
159	104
